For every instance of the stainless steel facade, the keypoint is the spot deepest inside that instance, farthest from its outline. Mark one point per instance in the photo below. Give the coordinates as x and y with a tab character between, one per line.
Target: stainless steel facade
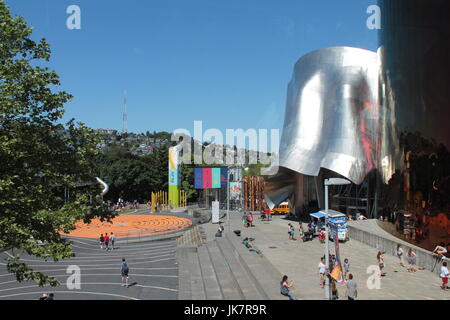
332	119
378	119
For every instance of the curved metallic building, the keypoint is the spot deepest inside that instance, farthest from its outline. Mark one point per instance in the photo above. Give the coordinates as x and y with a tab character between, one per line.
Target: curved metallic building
331	121
378	119
331	114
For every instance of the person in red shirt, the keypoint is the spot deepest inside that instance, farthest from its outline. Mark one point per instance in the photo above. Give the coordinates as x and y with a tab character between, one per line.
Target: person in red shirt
106	242
267	212
250	220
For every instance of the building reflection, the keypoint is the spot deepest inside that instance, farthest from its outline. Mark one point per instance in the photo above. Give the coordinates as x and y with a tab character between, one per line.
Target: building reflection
415	39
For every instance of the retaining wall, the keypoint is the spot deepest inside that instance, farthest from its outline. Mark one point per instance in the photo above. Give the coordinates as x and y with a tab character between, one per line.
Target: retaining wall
388	243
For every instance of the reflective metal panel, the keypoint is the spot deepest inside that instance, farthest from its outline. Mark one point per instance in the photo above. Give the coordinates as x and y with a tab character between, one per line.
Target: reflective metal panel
331	113
279	187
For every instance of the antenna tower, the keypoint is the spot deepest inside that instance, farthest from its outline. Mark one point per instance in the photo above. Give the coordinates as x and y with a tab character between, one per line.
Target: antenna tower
125	114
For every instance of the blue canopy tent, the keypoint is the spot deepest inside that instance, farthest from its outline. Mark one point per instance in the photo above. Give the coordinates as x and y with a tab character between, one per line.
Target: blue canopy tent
318	215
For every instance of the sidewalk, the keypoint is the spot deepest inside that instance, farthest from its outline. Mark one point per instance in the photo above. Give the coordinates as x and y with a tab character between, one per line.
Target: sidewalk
299	261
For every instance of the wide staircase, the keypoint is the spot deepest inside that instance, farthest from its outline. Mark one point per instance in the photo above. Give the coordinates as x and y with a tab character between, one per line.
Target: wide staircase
223	269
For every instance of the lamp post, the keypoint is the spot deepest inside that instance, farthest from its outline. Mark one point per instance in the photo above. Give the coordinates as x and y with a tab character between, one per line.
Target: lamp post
228	199
241	180
329	182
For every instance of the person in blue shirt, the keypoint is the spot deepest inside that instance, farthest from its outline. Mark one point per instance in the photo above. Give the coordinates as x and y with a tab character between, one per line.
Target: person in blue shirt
124	273
249	246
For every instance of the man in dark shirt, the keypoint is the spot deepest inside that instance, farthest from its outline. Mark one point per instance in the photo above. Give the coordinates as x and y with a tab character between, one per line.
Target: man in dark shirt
124	273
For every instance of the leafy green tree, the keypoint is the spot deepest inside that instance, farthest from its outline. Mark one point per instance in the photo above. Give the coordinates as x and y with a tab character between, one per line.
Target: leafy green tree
40	157
187	182
132	177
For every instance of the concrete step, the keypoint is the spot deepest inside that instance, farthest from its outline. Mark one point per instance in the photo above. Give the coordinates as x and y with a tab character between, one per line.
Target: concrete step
197	287
265	276
228	284
184	276
211	283
240	272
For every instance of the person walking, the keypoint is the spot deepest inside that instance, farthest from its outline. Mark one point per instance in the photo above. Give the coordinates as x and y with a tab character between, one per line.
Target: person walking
267	213
444	275
321	271
301	232
106	242
346	268
334	290
284	288
411	258
380	258
400	255
112	240
124	272
102	241
291	232
351	288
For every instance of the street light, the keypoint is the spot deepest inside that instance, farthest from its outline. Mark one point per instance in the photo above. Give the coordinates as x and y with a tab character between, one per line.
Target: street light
228	199
228	194
329	182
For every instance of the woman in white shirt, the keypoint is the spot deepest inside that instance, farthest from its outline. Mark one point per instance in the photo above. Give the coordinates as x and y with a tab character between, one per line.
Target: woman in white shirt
321	270
400	255
440	250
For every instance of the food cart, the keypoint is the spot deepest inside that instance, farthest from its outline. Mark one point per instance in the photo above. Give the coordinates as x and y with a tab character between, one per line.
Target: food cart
336	221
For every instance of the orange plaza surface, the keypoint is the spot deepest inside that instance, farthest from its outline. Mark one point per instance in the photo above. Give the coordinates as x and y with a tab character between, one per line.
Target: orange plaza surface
130	226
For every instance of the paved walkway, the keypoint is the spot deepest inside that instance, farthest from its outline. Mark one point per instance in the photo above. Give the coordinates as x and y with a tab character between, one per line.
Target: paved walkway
153	273
299	261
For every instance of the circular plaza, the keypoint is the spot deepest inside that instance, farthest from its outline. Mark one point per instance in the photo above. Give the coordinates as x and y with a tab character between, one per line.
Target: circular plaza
131	226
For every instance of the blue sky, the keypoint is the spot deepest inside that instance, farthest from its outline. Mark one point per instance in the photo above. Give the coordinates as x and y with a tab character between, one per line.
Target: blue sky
226	63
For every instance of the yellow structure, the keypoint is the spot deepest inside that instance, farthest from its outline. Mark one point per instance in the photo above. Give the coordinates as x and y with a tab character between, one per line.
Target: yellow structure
160	201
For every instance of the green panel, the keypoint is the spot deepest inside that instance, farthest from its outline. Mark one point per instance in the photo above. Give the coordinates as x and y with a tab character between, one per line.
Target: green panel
173	195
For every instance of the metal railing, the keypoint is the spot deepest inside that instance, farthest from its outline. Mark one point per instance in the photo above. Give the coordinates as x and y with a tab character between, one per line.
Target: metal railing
141	234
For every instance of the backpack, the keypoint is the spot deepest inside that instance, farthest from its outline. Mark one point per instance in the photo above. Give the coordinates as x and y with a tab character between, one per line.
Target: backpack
125	267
